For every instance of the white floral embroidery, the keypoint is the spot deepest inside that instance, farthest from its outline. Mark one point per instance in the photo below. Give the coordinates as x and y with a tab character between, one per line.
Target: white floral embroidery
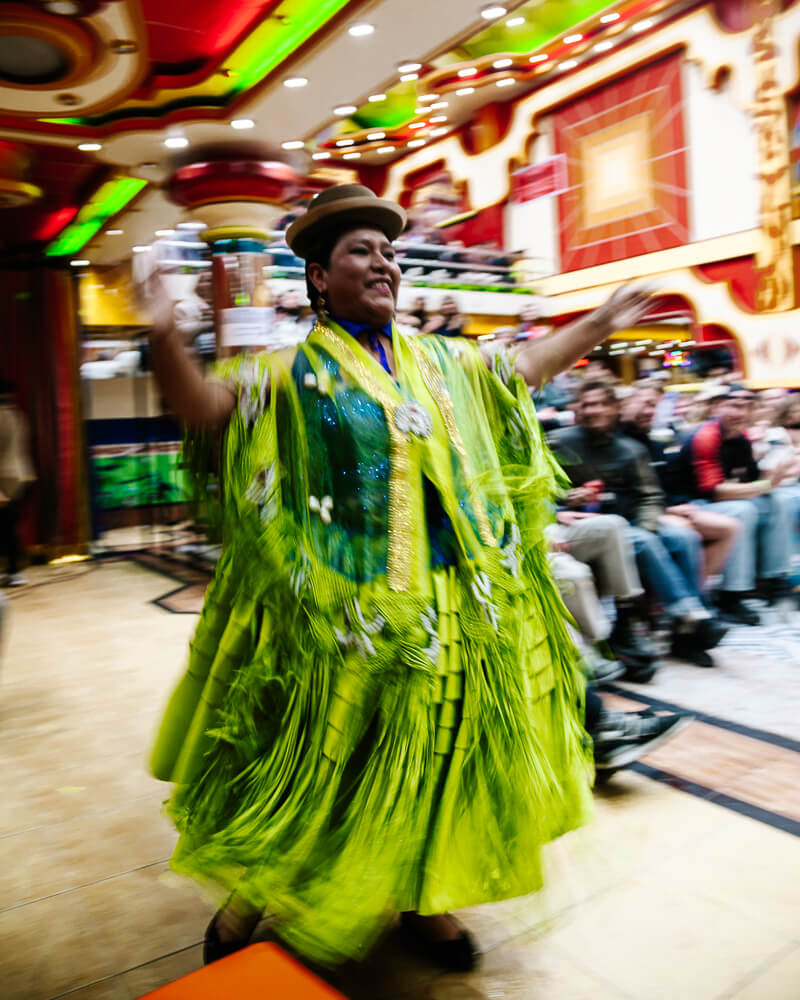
360	640
482	589
510	556
262	492
430	622
323	382
253	390
413	418
322	507
310	380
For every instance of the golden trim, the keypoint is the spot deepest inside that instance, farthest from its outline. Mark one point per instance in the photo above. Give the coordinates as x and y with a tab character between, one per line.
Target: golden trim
25	192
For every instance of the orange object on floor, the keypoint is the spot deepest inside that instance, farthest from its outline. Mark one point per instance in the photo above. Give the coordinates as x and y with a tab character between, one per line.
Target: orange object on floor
259	972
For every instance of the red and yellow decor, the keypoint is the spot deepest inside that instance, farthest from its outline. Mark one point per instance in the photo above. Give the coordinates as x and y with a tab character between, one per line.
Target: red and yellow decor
626	171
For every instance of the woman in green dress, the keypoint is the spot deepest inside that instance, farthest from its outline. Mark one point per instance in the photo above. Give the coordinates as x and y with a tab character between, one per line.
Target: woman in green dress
382	710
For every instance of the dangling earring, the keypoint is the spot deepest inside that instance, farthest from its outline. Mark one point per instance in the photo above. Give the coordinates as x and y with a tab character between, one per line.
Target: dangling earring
322	308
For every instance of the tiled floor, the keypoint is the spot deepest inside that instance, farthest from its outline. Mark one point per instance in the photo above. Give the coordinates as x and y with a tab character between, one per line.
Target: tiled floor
684	888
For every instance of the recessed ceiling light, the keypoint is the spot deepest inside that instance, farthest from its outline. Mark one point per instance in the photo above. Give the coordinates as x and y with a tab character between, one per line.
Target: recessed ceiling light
603	46
409	67
360	30
351	156
148	166
438	106
176	142
569	39
114	232
569	64
345	109
428	97
386	149
408	77
79	263
421	110
539	57
463	91
89	147
437	118
515	22
608	18
417	124
492	12
293	144
415	142
192	224
506	81
345	142
140	249
469	71
243	123
322	155
439	131
642	25
371	136
502	63
295	81
165	232
375	98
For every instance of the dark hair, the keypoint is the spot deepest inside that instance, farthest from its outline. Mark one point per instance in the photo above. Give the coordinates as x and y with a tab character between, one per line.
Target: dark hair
320	253
596	385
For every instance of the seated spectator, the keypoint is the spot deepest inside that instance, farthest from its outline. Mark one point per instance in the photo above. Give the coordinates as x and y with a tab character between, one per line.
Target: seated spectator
720	469
718	531
612	474
592	553
419	310
449	322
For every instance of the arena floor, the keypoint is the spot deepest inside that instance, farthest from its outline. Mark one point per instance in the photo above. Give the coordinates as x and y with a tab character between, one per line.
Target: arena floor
684	886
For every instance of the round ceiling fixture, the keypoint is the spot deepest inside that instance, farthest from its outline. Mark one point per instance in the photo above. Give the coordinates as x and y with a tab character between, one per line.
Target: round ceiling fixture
32	61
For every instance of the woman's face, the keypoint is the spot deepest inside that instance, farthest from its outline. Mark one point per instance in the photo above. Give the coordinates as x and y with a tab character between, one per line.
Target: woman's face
362	277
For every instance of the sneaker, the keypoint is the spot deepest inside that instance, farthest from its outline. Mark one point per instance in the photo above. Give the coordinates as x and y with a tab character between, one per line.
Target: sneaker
16	580
733	609
601	669
684	647
623	737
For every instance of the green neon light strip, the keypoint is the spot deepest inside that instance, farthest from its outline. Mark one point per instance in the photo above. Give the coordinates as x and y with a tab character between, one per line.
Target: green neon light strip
109	199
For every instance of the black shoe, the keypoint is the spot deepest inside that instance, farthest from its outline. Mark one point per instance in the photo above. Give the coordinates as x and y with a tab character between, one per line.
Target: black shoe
733	609
640	671
214	948
600	667
774	589
628	640
621	738
456	955
708	633
684	647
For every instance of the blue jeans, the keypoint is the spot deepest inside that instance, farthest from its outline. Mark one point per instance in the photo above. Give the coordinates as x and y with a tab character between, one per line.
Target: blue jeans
662	575
686	548
766	540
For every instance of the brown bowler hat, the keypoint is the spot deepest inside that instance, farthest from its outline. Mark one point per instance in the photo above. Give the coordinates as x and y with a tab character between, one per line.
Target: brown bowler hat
344	203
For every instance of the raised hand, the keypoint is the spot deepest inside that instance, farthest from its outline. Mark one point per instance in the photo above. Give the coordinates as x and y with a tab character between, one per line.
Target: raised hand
625	307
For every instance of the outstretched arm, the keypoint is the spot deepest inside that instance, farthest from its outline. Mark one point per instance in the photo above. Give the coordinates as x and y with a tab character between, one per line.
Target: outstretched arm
539	360
189	394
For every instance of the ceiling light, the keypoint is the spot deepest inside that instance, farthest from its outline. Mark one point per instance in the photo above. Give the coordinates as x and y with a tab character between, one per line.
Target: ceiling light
375	98
371	136
295	81
192	224
345	142
539	57
573	38
428	97
408	77
164	232
345	109
148	166
506	81
417	124
438	105
603	46
438	118
492	12
140	249
415	142
89	147
114	232
176	142
463	91
360	30
422	110
66	8
469	71
79	263
569	64
293	144
502	63
642	25
608	18
386	149
322	155
515	22
243	123
409	67
440	131
351	156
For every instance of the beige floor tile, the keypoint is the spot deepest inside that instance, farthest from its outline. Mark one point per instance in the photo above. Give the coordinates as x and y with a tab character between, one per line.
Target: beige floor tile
652	942
775	787
780	980
165	970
